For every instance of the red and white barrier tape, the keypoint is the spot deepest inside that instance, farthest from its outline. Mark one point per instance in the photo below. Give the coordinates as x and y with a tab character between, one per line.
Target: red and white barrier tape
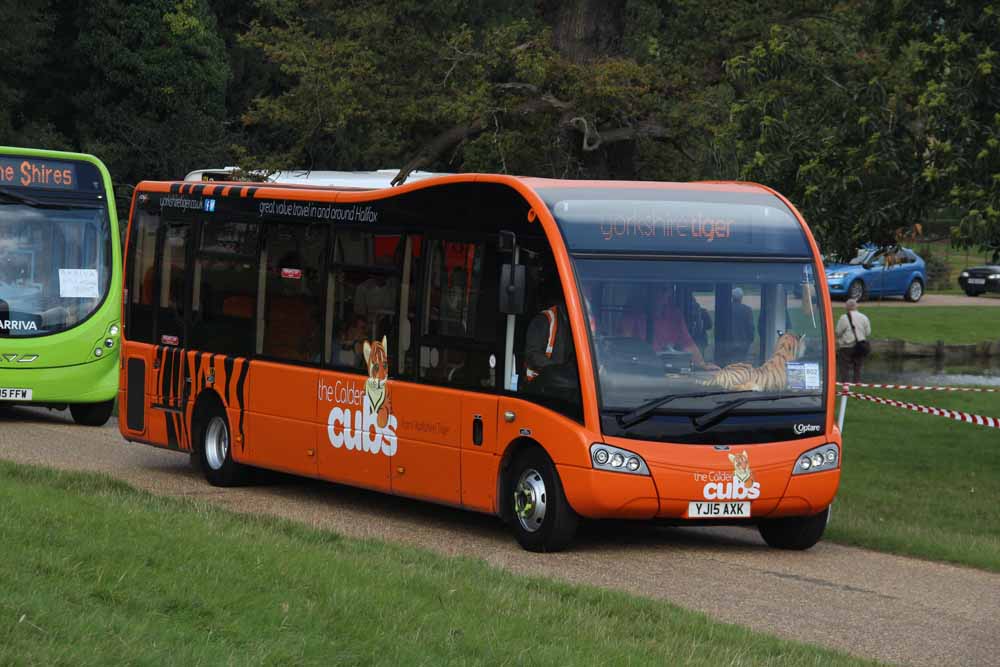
914	386
957	415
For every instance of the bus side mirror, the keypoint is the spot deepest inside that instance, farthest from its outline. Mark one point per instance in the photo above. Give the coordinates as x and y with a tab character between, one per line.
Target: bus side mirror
512	289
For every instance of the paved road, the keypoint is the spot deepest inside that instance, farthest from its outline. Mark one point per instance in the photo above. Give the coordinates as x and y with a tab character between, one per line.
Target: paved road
869	604
984	300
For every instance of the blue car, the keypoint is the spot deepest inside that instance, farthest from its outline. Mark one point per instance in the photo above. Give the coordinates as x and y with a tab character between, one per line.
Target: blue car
867	275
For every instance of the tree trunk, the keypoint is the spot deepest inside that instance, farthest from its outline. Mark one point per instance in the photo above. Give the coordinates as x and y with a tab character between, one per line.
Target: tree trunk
583	30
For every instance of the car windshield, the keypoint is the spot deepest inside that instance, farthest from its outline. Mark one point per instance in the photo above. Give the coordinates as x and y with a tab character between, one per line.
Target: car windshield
55	265
864	256
712	329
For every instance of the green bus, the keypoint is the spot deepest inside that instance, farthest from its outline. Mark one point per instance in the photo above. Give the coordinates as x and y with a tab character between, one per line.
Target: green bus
60	283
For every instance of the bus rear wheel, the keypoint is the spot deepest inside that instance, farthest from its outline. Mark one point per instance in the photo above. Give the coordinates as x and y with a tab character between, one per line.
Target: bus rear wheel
795	533
92	414
540	514
215	452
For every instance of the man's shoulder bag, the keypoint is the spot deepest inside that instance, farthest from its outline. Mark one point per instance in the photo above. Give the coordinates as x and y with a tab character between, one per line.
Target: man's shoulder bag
862	348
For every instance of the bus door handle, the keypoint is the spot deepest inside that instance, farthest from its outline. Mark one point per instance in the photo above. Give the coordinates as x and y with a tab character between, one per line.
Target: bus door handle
477	430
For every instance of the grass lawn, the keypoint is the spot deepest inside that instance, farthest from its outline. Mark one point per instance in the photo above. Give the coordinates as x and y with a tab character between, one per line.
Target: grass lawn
921	485
97	573
952	324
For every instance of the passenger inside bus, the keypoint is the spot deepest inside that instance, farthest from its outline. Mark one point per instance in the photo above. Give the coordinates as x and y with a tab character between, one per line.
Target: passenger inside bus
665	328
350	342
736	348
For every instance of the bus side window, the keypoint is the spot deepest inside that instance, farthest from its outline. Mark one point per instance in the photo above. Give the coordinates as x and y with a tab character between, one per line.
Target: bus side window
363	293
460	315
171	297
224	298
292	308
142	277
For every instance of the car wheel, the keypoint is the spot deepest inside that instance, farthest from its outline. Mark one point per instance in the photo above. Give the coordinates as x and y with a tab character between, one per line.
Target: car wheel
92	414
856	291
795	533
540	515
216	455
914	291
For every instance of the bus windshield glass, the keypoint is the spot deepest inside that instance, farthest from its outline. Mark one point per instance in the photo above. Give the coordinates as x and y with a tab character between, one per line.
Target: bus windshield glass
715	329
55	264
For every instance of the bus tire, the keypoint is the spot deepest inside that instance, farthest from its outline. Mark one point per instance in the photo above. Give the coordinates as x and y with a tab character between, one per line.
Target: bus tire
92	414
795	533
215	449
541	516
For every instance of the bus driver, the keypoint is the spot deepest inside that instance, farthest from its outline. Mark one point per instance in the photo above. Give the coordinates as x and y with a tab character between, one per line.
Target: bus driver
548	348
669	329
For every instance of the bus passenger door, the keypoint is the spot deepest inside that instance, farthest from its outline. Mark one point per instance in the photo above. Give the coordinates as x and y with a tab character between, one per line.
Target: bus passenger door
166	376
455	341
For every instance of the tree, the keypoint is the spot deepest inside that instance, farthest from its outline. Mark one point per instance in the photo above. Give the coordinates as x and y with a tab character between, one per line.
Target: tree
952	50
24	50
816	116
150	84
566	89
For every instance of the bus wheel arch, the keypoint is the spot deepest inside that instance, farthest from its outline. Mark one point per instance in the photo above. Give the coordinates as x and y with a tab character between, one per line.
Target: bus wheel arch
211	444
531	498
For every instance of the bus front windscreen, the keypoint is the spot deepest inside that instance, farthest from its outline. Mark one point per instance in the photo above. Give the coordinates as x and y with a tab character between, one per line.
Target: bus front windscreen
55	265
687	336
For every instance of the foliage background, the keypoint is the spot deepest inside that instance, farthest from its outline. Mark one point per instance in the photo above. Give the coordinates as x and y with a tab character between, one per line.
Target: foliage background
870	117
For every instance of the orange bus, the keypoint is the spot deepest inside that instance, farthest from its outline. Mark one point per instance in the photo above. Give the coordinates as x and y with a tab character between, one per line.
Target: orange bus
541	350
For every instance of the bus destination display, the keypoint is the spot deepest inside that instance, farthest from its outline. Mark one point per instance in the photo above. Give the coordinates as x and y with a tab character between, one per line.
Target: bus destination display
38	173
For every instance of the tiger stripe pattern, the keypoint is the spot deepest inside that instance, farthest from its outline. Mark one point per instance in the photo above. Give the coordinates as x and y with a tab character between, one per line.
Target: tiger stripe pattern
770	376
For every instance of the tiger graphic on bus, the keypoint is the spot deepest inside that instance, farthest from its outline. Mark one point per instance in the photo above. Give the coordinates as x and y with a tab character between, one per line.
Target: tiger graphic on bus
361	418
376	386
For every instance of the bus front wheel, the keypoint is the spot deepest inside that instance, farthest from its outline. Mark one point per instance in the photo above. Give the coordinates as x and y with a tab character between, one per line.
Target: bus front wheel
796	533
215	455
540	514
92	414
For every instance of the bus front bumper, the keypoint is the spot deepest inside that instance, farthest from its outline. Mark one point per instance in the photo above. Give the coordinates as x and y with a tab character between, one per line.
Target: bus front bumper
92	382
671	492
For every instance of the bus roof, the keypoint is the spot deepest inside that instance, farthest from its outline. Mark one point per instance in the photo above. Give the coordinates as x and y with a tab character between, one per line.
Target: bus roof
361	180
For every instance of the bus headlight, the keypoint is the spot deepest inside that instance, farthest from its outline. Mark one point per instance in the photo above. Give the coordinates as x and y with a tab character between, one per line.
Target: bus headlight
98	352
114	330
616	459
818	459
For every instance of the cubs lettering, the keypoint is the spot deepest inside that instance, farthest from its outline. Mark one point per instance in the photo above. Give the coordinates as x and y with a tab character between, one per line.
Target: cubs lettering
361	419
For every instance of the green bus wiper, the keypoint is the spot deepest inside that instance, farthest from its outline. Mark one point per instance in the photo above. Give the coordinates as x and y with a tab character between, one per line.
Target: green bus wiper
643	412
713	417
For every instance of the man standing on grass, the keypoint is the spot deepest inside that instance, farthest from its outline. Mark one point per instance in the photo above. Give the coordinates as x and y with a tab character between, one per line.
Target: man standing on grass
853	330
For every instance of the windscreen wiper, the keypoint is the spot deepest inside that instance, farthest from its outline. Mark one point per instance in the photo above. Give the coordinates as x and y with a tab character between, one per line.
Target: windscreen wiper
18	197
643	412
713	417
